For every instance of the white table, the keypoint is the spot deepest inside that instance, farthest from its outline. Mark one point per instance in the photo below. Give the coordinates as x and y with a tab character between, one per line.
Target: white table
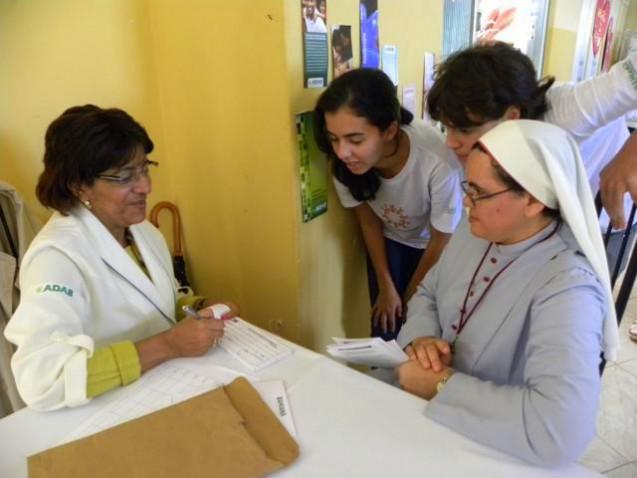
348	425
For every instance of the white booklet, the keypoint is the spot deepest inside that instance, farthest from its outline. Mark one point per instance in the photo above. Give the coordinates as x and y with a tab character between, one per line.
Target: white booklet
372	351
275	396
253	347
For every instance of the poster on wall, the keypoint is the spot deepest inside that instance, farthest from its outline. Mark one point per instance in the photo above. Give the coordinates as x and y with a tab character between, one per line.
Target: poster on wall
427	83
521	24
370	53
409	98
389	62
610	44
313	170
597	37
315	51
342	55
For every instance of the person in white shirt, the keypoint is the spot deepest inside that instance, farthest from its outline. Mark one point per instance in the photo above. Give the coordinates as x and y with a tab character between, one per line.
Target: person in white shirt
400	179
480	86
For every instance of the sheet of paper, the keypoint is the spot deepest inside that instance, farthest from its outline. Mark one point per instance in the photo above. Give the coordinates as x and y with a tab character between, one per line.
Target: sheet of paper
409	98
427	83
167	385
389	62
374	352
253	347
275	397
154	390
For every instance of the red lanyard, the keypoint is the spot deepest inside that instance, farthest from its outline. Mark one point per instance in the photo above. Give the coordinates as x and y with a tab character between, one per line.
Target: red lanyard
464	316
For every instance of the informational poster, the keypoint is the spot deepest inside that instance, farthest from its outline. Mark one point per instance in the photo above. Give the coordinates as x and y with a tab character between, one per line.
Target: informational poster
315	51
409	98
370	53
457	26
342	55
313	169
389	62
610	44
597	38
519	23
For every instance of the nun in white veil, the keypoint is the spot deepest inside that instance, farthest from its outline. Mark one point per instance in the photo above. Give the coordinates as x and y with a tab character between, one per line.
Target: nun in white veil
505	333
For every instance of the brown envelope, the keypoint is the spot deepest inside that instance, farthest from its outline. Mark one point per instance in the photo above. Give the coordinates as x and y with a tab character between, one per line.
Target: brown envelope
227	432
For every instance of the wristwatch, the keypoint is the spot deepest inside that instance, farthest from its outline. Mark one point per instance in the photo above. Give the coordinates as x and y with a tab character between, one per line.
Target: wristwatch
440	385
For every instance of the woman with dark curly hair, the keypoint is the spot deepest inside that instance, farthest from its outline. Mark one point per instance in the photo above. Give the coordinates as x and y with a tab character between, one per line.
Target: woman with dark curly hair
99	300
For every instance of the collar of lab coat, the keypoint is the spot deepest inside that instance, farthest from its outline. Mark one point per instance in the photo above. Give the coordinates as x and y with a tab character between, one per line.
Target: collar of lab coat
117	259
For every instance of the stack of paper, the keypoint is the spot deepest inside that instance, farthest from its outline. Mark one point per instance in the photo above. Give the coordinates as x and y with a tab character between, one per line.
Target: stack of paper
253	347
372	351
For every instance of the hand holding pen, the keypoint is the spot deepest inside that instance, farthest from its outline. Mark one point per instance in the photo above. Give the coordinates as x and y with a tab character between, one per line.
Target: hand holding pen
190	337
220	312
225	311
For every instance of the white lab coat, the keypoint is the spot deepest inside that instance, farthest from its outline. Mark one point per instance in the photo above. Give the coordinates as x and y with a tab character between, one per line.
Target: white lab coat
81	291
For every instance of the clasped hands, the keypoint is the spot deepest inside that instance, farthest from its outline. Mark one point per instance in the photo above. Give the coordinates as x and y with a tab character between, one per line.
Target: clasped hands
430	360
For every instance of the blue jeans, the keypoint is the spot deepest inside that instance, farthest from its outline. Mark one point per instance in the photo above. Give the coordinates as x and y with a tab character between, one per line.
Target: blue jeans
402	261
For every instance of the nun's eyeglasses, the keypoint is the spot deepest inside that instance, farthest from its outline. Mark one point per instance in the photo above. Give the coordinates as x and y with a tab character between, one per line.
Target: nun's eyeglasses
474	196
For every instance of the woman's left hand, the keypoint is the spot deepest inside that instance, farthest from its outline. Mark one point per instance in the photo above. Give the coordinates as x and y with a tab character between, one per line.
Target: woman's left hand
413	378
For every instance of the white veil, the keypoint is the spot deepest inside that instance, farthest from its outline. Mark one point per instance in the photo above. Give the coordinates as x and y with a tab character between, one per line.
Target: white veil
546	162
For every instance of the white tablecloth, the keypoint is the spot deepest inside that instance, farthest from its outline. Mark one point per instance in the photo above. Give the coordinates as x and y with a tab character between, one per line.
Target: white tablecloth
348	425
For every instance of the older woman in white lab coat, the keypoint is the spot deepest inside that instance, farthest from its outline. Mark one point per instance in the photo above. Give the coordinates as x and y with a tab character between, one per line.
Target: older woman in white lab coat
99	298
505	333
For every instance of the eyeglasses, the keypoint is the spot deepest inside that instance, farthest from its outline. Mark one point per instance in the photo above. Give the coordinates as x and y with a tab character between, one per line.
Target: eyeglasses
130	176
474	195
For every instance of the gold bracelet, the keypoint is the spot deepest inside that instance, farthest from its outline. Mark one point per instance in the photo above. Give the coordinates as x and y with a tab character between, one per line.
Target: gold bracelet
440	385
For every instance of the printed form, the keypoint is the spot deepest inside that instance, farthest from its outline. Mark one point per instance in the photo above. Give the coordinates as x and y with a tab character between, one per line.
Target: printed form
165	386
253	347
372	351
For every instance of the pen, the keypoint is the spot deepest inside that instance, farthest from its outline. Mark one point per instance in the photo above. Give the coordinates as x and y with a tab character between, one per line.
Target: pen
193	313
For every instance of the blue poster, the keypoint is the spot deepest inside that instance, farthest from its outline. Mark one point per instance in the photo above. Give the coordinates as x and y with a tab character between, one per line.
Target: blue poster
370	53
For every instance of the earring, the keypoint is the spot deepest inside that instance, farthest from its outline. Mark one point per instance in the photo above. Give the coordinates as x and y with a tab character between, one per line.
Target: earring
88	204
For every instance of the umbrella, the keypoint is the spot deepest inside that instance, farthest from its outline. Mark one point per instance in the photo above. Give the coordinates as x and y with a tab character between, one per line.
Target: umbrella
179	264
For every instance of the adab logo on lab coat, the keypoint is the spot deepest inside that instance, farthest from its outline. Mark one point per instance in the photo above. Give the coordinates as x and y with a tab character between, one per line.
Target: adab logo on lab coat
55	288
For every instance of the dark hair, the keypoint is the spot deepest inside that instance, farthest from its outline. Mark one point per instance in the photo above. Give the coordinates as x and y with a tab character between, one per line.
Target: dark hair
509	182
82	143
485	80
370	94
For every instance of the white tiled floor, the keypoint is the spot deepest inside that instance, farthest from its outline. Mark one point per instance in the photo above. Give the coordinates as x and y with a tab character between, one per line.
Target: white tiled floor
614	451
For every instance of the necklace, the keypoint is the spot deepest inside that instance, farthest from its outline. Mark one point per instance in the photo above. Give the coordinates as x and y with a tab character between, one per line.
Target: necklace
466	315
134	249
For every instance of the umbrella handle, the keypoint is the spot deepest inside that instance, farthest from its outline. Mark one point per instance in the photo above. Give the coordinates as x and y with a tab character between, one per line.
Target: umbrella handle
154	214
